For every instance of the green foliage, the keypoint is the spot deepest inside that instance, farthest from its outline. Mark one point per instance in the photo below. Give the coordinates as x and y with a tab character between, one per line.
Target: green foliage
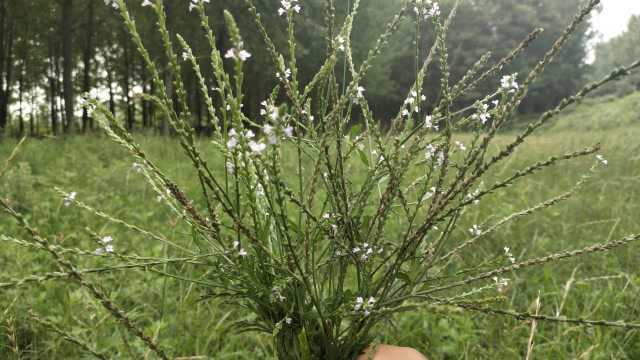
616	53
607	112
102	175
319	232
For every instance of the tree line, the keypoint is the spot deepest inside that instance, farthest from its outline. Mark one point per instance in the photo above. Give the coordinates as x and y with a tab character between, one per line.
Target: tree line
51	52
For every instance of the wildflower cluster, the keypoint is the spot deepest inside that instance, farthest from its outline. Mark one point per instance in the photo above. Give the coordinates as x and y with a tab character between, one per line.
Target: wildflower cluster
426	8
106	247
509	83
286	6
238	54
411	103
362	307
366	251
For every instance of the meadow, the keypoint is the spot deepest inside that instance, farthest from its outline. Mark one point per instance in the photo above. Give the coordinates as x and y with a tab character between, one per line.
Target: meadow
36	307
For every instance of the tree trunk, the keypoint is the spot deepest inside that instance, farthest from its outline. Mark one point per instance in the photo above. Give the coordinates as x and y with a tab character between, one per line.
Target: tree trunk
67	55
32	121
87	59
126	83
144	103
112	95
20	98
6	79
52	94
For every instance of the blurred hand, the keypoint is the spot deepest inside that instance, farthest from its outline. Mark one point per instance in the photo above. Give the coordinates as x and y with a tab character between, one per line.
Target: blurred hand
388	352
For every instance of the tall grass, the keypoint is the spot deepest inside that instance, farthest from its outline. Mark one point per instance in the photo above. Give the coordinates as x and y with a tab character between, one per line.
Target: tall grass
279	224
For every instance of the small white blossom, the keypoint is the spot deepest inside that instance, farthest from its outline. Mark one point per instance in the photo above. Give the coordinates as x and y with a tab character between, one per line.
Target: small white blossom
288	131
113	3
288	320
509	83
147	3
242	55
69	198
106	239
461	146
602	160
430	151
195	3
341	43
483	114
232	143
509	255
500	283
364	308
475	230
360	92
271	134
257	147
288	5
285	76
426	8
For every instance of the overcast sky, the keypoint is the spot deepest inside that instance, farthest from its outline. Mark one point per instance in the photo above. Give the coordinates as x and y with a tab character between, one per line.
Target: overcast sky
615	16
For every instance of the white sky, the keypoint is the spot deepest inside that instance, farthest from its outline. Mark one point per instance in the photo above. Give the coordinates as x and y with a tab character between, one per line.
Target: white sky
613	19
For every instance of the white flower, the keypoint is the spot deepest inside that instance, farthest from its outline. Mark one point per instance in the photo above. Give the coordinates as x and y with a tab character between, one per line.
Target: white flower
474	195
359	303
147	3
430	151
242	55
371	301
509	83
271	134
69	198
113	3
483	114
249	134
288	320
428	122
602	160
426	8
256	147
475	230
232	143
341	42
509	255
405	113
285	76
108	249
501	283
195	3
288	131
461	146
242	253
106	239
360	92
288	5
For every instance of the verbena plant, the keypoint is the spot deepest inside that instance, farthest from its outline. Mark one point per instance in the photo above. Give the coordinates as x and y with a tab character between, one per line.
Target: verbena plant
318	256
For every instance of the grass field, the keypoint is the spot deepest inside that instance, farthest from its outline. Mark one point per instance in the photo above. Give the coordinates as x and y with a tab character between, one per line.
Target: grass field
595	286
